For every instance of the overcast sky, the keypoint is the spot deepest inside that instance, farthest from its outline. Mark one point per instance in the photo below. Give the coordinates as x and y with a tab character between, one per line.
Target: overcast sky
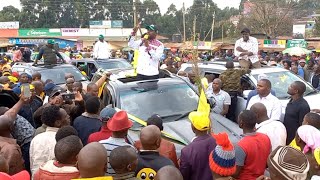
163	4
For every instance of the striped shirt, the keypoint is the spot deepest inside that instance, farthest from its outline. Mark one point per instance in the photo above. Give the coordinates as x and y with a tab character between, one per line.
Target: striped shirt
110	144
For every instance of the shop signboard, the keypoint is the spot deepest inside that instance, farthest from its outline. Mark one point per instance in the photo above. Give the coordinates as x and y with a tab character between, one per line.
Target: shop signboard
117	24
100	24
9	25
274	43
38	41
299	31
75	32
202	45
39	32
297	43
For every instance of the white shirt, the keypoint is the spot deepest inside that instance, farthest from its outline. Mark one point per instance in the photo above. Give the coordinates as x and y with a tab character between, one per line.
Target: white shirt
101	50
251	45
42	148
148	61
275	130
272	104
221	99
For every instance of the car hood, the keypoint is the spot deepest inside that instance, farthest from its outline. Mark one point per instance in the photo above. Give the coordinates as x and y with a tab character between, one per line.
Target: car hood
181	130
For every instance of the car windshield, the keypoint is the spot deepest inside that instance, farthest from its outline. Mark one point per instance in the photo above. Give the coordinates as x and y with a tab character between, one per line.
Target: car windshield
281	81
57	74
119	64
167	101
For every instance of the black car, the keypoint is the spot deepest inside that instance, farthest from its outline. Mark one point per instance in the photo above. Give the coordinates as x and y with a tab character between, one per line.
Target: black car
91	66
171	97
55	72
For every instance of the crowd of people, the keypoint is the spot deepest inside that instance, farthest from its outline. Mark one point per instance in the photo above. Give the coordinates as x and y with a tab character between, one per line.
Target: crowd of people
67	132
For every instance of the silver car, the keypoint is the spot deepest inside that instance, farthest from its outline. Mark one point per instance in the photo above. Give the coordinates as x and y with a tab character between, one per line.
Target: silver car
280	79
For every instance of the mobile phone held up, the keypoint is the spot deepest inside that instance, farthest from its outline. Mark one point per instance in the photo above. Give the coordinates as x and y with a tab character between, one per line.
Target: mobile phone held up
68	96
25	90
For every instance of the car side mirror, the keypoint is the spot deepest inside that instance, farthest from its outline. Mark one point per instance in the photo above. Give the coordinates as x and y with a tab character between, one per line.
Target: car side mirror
246	93
212	102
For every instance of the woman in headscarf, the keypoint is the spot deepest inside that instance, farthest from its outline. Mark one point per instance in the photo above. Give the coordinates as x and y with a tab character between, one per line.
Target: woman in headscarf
308	139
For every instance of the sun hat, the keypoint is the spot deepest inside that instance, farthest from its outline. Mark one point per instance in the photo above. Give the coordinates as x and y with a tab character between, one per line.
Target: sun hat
200	121
107	113
23	175
222	159
119	122
288	163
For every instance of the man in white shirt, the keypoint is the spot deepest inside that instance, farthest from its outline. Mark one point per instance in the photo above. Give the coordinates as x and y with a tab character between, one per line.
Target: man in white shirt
272	103
221	98
42	145
273	128
150	52
101	49
246	49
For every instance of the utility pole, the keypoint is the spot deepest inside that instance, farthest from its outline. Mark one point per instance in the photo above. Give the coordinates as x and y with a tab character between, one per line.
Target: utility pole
184	22
212	27
222	33
135	20
194	28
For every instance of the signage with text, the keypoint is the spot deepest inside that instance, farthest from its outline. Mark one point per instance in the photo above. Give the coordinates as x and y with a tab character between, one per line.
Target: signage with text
297	43
39	32
75	32
9	25
274	43
62	43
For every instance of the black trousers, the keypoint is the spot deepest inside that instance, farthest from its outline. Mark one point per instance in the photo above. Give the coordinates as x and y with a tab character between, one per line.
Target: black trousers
232	108
144	77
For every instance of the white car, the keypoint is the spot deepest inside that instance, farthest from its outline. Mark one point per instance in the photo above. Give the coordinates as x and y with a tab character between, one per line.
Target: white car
280	79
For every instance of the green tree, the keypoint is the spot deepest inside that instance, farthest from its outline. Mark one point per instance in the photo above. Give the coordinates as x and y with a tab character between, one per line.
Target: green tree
9	13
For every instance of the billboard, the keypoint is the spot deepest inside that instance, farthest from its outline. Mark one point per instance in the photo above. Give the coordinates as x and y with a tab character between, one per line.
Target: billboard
39	32
297	43
117	24
9	25
299	31
100	24
75	32
62	43
274	43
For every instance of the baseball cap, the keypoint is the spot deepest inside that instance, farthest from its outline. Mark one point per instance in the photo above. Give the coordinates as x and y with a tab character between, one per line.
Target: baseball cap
200	121
107	113
245	30
101	36
56	91
51	41
152	28
302	60
155	120
23	175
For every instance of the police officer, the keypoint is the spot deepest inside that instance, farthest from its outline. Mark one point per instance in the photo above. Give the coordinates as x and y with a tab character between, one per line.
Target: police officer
231	80
49	53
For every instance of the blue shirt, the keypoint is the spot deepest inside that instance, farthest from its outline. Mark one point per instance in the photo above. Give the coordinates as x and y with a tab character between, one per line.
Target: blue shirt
301	71
85	125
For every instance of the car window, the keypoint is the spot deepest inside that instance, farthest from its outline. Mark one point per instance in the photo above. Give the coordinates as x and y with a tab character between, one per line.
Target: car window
175	99
281	81
119	64
57	74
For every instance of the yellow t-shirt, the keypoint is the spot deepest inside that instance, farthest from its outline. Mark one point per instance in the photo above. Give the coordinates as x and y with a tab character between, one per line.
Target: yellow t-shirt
96	178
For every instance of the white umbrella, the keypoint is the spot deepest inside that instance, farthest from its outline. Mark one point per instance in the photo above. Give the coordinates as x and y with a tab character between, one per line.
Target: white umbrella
296	51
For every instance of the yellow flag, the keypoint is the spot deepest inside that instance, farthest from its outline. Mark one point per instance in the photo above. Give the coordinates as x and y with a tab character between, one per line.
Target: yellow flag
203	105
135	62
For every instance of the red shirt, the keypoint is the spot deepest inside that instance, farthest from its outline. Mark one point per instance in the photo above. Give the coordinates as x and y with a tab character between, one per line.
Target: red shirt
257	148
103	134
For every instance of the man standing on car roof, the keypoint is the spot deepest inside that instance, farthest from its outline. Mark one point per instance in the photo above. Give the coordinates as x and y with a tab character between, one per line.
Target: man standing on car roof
101	49
49	54
150	52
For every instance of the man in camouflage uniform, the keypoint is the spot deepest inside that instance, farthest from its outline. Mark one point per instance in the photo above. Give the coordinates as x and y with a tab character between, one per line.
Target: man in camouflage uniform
231	83
49	53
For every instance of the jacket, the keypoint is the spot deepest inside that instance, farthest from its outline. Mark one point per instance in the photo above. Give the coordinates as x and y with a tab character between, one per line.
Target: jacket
52	170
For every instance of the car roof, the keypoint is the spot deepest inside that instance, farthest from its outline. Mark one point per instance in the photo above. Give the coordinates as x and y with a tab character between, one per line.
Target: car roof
219	67
40	67
166	79
98	61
